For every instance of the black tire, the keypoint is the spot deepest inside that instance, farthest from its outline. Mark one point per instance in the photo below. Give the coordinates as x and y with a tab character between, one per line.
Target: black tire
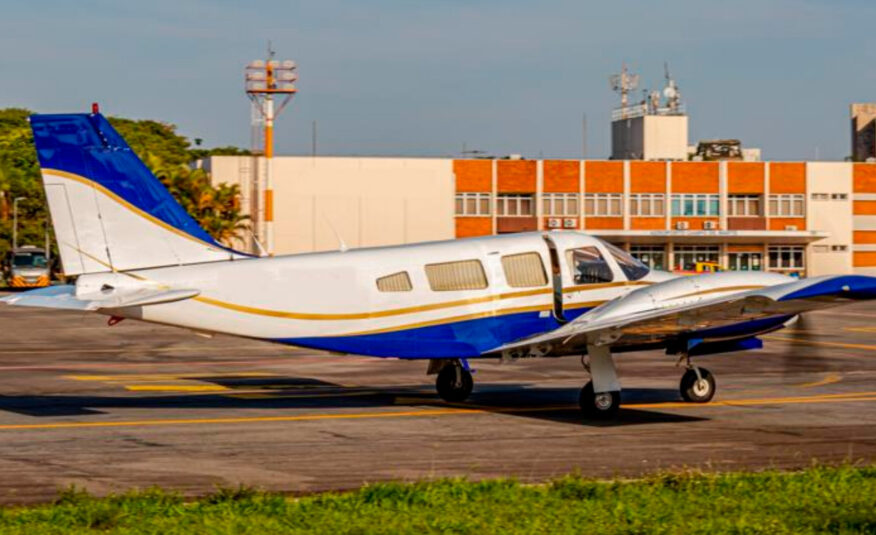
601	406
450	388
695	391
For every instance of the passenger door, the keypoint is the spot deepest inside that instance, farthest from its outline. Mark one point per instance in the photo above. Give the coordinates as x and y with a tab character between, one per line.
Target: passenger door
587	275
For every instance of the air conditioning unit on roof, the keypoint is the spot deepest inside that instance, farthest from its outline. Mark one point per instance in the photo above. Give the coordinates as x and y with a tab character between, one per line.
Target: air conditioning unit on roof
570	222
710	225
555	222
791	227
682	225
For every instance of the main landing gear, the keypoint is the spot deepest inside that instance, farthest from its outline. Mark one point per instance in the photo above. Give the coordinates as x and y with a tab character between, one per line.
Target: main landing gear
454	382
601	396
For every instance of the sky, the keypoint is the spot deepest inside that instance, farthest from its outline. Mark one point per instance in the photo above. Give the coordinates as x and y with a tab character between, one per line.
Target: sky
425	78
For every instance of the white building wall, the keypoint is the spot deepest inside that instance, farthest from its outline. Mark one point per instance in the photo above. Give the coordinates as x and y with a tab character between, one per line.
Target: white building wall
363	201
665	137
833	216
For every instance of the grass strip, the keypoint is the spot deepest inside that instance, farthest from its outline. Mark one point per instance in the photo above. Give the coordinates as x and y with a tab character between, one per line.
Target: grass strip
815	500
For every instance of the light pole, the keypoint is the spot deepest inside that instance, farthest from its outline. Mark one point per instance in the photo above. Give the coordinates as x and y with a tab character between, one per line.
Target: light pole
15	221
263	80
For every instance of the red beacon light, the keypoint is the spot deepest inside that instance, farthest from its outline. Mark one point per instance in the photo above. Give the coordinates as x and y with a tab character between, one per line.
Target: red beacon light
95	108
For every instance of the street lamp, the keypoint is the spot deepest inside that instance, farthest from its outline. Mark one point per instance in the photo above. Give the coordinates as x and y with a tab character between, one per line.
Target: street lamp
263	80
15	221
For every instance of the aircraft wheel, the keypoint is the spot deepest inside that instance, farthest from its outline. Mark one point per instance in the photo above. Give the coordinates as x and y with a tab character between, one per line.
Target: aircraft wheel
602	406
698	389
454	383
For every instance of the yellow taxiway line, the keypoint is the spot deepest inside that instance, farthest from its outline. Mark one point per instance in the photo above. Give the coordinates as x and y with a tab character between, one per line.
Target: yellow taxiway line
823	398
828	379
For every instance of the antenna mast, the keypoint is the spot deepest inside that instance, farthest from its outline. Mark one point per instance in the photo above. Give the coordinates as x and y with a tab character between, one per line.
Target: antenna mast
623	83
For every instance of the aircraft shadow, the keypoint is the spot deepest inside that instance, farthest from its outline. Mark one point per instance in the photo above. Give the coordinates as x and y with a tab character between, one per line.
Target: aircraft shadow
521	400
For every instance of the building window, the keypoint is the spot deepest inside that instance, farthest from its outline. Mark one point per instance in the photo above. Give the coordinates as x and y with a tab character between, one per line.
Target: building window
839	248
839	196
787	205
603	204
647	204
473	204
687	256
560	204
820	196
524	270
786	256
744	205
454	276
397	282
653	256
745	261
514	205
695	204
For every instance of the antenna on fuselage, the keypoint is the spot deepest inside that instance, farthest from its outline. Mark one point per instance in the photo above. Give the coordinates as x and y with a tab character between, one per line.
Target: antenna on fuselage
262	251
342	245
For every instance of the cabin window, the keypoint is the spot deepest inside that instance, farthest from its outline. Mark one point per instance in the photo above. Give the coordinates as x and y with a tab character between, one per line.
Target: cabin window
397	282
453	276
524	270
588	266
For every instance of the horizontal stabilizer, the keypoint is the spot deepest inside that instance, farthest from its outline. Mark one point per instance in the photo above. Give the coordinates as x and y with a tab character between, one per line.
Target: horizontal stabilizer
64	297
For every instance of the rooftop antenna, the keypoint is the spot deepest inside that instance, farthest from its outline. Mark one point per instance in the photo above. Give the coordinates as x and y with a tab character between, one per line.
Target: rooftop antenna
671	92
623	83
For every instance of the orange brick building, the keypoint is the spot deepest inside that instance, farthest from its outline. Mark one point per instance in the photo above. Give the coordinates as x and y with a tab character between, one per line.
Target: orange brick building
806	218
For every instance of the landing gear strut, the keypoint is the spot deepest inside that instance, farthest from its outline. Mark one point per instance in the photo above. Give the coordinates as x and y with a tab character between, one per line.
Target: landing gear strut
600	398
454	382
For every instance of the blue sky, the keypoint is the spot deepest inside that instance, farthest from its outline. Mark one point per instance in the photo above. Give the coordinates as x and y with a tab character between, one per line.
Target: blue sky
411	77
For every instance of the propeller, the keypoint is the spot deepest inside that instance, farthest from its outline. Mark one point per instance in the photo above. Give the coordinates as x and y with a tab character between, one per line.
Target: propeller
801	353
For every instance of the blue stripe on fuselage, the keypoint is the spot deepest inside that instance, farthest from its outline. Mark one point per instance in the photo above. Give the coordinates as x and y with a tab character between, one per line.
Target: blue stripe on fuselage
472	338
460	339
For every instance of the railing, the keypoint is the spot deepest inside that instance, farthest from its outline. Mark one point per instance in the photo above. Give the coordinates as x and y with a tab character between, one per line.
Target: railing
640	110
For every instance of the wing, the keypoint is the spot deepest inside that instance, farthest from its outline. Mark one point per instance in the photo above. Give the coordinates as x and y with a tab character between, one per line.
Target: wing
612	325
64	297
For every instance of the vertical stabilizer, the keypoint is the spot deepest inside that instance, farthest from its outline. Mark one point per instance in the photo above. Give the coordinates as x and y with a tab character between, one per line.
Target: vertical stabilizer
109	212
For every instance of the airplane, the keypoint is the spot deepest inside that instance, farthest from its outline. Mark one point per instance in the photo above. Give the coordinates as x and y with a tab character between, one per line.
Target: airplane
137	254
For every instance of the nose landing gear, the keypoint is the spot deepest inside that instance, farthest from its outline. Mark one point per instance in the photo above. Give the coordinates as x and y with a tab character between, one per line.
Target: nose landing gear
697	385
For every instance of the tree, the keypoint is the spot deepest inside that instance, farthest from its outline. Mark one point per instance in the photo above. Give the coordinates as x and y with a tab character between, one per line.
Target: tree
168	154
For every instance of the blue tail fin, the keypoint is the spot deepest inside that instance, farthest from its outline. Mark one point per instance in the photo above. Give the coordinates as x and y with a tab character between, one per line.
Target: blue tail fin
108	210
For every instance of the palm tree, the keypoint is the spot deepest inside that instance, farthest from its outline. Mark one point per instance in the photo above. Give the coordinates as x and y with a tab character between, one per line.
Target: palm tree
215	208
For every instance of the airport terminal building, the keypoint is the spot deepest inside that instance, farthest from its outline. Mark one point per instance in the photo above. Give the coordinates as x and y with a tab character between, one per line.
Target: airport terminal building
807	218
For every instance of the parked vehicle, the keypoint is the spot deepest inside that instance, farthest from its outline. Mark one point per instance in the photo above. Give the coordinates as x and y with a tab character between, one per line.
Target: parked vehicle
27	267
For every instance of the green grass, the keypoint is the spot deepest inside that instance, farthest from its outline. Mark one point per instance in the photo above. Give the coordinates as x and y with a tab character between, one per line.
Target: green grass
816	500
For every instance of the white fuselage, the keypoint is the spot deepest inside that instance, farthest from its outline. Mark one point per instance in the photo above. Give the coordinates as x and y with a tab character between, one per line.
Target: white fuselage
332	300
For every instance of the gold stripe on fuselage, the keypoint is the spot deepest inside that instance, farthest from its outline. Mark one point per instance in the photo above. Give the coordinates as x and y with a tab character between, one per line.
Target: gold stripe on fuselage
405	310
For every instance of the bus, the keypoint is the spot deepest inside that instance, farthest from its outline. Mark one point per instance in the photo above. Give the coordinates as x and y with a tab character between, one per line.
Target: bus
28	267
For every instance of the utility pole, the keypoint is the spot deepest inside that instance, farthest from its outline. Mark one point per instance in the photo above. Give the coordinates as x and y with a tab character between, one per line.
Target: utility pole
263	80
583	136
15	221
313	140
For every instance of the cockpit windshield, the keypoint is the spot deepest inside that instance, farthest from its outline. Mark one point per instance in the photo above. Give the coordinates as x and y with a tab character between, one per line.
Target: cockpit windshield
632	268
